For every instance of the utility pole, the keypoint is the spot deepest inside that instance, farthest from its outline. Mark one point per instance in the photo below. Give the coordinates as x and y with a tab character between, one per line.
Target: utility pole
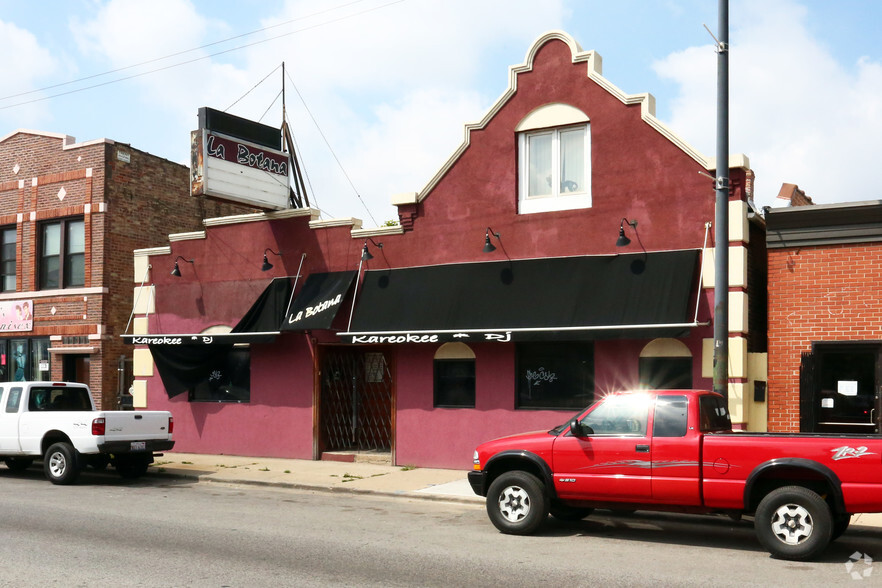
721	230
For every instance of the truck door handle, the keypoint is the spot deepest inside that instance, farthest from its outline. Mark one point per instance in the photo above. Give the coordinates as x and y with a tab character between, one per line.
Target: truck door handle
642	448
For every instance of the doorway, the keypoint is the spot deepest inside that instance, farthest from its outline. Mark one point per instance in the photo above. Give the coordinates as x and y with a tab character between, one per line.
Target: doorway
75	368
356	401
839	389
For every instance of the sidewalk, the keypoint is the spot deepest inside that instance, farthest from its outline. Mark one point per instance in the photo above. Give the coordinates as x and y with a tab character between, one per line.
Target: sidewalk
336	476
328	476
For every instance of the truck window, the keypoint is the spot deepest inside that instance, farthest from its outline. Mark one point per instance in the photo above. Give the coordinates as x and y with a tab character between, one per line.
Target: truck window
713	413
670	416
59	399
13	400
620	415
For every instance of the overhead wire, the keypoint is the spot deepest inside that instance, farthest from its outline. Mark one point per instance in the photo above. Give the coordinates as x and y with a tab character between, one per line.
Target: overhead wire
331	149
169	56
189	61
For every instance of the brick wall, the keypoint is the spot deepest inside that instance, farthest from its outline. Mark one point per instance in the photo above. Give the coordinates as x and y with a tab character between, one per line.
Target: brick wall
816	294
128	202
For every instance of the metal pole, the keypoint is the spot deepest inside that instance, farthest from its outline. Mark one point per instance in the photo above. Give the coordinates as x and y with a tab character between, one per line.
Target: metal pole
721	235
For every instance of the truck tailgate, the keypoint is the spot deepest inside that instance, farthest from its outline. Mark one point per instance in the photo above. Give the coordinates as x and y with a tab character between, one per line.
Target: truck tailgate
136	425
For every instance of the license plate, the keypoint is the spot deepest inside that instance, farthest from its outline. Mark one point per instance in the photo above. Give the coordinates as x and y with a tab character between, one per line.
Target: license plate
139	445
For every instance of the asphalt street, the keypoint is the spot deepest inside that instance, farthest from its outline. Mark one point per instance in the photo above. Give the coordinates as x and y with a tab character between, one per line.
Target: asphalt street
164	531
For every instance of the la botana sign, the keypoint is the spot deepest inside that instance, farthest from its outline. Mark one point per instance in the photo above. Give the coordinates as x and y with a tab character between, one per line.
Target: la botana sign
238	160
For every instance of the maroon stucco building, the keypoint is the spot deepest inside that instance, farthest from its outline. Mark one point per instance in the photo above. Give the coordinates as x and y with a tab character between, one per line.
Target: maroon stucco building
557	255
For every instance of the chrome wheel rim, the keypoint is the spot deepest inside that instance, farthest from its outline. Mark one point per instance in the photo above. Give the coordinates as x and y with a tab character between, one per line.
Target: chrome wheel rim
57	464
792	524
514	504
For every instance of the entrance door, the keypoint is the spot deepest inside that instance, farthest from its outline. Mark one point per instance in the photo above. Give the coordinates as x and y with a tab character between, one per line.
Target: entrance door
355	405
75	368
846	398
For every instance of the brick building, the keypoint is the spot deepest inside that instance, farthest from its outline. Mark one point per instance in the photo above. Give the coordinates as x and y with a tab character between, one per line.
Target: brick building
70	216
825	317
439	343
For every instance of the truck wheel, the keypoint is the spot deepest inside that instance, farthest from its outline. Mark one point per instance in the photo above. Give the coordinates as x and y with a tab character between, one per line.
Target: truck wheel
563	512
61	464
840	524
793	523
18	464
517	503
131	467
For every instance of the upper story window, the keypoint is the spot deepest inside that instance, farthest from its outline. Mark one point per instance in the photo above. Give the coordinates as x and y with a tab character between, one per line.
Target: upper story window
62	254
554	167
7	259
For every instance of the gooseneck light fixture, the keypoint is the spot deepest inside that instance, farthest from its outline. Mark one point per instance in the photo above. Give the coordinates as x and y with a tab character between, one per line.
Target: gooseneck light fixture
177	271
266	264
488	246
624	241
365	254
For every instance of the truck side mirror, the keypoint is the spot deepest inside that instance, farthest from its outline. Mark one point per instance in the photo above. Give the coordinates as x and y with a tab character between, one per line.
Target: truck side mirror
578	429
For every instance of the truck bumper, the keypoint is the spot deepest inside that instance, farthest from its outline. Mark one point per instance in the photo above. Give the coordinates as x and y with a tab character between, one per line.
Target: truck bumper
120	447
478	482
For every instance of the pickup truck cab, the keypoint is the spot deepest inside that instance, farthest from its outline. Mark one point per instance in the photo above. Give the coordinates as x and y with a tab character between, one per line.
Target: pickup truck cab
674	450
57	421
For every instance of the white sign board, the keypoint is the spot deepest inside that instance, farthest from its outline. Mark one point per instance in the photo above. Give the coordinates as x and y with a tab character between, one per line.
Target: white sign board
230	169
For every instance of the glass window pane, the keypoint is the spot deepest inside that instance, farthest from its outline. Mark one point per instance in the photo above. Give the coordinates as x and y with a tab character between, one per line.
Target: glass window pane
51	239
572	161
49	267
455	383
539	155
555	375
40	359
19	350
76	237
8	261
75	270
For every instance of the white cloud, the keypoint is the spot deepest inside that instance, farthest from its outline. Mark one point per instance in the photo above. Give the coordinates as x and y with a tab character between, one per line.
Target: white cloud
799	115
24	65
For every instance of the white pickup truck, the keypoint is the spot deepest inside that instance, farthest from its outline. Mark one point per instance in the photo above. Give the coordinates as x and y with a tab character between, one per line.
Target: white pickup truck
57	422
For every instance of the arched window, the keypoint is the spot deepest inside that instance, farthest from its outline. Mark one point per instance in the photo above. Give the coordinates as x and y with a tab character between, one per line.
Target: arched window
666	364
455	376
554	159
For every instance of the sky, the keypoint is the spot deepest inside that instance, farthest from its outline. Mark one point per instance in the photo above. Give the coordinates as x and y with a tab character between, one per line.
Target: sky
377	92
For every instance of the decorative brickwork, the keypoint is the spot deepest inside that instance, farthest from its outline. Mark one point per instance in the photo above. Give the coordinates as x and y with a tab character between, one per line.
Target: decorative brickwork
44	177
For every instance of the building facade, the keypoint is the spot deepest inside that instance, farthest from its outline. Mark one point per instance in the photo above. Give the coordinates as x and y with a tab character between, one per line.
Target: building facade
70	216
825	317
563	251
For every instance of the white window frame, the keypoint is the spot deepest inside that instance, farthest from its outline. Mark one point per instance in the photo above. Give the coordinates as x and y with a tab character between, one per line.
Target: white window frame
556	200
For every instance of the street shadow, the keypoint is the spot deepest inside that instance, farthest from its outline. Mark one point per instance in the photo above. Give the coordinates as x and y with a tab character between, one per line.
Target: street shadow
713	531
109	477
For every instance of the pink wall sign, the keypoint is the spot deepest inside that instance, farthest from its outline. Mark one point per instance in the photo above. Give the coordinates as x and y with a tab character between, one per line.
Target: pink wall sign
16	315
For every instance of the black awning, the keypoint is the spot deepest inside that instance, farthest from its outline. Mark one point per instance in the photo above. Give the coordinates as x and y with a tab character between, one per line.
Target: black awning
259	325
318	302
185	361
622	296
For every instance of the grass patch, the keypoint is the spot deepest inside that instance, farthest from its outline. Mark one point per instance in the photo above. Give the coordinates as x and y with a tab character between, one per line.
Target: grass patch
264	469
408	468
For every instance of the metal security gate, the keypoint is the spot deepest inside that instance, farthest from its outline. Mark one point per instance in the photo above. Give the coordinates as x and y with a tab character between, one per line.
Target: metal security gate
356	401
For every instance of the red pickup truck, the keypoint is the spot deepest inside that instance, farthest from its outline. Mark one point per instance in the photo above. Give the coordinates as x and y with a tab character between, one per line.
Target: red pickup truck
675	450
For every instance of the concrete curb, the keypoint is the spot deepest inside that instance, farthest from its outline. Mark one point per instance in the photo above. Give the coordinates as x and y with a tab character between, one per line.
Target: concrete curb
476	500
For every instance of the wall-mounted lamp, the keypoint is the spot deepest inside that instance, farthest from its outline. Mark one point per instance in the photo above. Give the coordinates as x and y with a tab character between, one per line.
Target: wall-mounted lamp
177	271
267	266
624	241
365	254
488	246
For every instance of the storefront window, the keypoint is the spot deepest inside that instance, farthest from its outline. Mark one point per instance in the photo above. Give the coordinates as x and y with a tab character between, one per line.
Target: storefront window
228	381
454	376
666	373
18	349
555	375
24	359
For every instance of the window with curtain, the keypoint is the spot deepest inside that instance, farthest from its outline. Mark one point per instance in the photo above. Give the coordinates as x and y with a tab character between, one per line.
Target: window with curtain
62	254
555	169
